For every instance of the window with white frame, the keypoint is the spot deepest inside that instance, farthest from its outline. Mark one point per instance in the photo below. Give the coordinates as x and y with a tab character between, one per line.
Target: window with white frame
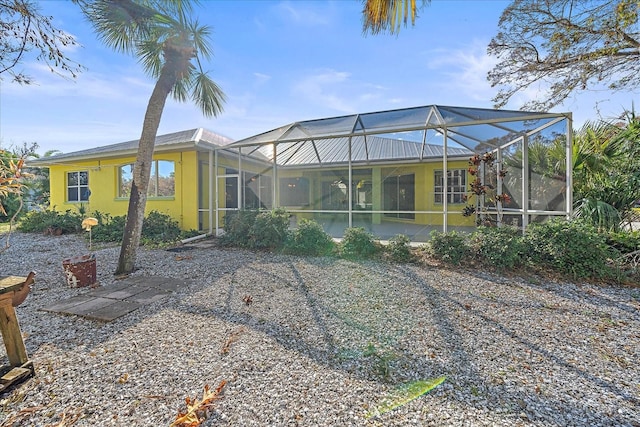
78	186
161	183
456	183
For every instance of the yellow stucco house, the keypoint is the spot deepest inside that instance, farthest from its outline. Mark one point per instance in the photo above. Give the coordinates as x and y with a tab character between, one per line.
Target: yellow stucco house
100	178
394	172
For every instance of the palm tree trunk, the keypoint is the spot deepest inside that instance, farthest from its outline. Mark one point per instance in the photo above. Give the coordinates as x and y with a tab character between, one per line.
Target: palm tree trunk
142	172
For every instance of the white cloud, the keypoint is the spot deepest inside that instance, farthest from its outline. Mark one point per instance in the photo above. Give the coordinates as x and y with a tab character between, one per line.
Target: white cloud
301	13
466	70
326	88
261	78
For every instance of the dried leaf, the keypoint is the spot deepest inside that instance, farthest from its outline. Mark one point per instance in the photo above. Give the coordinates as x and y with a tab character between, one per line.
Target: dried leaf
196	409
233	336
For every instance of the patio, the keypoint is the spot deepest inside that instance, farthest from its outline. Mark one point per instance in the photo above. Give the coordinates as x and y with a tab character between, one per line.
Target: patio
402	171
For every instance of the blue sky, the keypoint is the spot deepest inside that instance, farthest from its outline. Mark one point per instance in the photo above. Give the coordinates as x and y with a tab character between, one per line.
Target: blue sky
278	62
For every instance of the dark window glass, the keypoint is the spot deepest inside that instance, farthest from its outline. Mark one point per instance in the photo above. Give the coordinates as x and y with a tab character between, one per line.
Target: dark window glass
399	195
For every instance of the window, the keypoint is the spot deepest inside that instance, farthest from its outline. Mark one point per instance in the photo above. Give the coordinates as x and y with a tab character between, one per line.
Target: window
78	186
257	191
399	195
161	184
335	195
294	191
456	183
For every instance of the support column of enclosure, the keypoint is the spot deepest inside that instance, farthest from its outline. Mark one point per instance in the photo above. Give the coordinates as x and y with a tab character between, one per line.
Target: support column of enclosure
445	177
525	181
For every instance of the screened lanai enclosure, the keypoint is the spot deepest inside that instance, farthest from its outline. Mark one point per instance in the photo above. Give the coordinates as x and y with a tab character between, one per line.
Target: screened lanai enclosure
406	171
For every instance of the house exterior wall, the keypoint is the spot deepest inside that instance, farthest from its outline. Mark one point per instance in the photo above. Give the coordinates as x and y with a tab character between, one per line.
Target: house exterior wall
103	182
189	203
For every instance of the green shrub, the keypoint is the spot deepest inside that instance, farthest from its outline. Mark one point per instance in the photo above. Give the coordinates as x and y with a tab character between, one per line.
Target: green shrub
501	247
12	206
450	247
399	249
269	230
109	229
255	229
159	228
570	248
41	221
624	241
309	239
358	243
237	227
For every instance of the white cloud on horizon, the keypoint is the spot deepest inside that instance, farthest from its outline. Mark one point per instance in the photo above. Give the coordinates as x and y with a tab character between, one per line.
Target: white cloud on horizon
301	13
323	88
261	78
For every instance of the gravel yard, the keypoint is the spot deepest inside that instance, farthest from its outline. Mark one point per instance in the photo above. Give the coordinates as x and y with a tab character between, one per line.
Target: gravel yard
322	343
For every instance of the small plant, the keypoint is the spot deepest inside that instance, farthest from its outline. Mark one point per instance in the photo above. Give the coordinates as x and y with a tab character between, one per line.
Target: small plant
237	227
570	248
399	249
382	359
358	243
501	247
159	228
489	203
450	247
42	221
269	230
624	241
110	229
309	239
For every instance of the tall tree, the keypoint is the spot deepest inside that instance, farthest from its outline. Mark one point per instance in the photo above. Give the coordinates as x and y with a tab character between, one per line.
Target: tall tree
389	15
169	45
23	32
565	46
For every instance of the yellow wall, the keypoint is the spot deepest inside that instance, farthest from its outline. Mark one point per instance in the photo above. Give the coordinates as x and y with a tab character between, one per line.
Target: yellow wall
184	205
103	184
424	191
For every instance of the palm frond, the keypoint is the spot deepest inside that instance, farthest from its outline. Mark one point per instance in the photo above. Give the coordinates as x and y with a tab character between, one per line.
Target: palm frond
119	24
150	56
181	90
207	95
597	213
389	15
201	35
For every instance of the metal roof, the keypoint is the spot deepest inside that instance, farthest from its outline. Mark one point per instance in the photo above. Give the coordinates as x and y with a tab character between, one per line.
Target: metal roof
363	149
191	138
402	134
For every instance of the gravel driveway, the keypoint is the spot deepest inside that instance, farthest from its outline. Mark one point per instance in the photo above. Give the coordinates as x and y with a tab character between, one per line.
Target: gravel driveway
322	343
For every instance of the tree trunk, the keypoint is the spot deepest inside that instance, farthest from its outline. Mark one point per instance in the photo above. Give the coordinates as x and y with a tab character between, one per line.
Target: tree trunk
142	172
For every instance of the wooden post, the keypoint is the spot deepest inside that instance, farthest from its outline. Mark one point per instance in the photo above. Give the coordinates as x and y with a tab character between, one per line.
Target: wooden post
11	335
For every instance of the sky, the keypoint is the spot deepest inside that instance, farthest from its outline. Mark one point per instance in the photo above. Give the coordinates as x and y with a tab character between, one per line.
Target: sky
277	62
